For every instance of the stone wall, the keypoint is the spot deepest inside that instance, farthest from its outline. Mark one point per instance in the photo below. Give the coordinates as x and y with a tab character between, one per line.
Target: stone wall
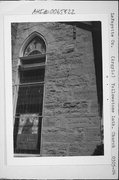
71	122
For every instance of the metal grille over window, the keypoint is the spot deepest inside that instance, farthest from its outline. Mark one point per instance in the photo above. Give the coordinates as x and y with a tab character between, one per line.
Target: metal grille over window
30	76
28	116
30	99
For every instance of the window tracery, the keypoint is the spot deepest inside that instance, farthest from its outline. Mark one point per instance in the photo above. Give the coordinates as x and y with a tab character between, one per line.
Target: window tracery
35	46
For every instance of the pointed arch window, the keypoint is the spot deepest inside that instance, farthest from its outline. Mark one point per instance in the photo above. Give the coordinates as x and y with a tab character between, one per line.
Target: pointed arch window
29	106
35	46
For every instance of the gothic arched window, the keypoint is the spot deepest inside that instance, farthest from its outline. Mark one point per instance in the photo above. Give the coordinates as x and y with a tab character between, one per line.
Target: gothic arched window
35	46
29	106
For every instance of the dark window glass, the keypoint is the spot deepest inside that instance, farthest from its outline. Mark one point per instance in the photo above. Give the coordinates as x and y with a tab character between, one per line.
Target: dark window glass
30	99
28	117
27	76
27	134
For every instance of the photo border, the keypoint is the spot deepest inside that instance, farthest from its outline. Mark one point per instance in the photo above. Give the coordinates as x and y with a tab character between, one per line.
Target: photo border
107	170
11	160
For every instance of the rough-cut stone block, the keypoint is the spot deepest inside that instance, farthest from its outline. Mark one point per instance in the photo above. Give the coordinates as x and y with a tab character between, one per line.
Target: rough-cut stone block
76	148
87	95
54	135
93	134
94	107
55	149
79	122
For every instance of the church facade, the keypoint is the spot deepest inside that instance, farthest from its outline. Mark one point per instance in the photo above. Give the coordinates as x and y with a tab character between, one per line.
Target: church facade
57	88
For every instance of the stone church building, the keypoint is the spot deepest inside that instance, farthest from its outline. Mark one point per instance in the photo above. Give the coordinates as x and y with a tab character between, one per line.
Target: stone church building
57	88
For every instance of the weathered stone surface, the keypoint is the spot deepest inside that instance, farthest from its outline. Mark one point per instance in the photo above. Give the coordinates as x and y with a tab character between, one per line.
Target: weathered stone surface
78	108
57	134
92	134
76	148
84	122
55	149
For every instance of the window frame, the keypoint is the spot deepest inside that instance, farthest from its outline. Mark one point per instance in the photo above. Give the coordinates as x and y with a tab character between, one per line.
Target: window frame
32	66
